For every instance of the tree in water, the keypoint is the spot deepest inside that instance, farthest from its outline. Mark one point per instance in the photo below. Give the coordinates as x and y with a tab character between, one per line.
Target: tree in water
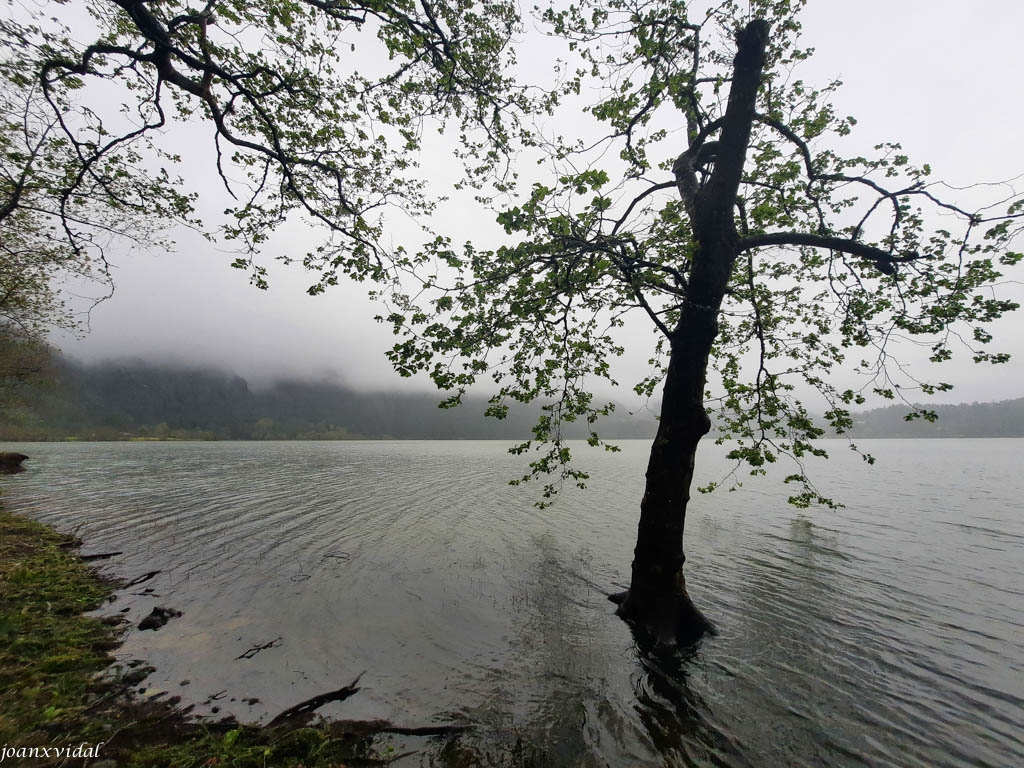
755	249
707	195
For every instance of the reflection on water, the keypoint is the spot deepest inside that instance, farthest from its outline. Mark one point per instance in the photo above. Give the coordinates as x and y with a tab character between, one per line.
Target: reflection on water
888	633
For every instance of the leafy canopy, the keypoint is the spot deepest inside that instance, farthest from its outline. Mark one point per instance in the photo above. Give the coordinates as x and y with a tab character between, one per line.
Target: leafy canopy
317	110
843	259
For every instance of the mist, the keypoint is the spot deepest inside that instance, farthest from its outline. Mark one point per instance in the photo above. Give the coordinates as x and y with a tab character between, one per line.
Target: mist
955	105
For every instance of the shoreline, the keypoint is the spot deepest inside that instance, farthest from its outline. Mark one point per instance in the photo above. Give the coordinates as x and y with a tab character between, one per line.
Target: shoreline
61	689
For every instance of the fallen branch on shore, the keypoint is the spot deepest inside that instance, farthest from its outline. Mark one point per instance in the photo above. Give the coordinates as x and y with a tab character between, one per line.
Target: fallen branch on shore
310	705
360	727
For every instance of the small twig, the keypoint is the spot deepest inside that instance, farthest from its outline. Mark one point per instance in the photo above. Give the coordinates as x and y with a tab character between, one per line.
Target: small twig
104	699
100	556
257	648
425	730
142	579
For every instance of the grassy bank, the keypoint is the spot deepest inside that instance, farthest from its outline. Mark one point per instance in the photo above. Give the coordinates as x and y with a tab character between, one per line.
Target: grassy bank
60	687
50	653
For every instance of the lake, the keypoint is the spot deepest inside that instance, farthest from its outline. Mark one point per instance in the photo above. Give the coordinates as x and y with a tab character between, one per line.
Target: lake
890	632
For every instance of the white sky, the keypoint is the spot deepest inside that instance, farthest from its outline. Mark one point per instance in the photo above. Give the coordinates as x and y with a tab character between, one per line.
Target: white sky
945	79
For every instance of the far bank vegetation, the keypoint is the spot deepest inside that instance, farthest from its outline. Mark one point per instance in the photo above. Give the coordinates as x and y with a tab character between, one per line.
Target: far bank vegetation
141	401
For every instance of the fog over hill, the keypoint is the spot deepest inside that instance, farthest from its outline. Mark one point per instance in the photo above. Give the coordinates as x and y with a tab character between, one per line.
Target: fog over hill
1002	419
116	400
126	399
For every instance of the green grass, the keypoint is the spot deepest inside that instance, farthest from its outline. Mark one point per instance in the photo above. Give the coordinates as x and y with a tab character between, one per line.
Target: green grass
50	653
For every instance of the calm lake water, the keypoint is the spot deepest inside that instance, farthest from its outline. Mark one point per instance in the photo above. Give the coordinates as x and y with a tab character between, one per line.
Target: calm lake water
890	633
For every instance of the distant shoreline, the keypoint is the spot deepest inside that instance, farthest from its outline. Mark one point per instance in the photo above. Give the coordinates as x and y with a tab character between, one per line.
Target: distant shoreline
139	402
611	439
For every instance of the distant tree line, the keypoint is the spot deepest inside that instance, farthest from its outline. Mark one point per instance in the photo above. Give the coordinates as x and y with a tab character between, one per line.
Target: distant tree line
122	400
1002	419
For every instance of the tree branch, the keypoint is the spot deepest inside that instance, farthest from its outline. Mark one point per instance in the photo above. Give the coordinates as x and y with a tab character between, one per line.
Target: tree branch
636	201
884	260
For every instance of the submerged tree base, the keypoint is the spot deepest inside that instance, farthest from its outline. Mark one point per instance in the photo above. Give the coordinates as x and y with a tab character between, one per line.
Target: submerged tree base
663	620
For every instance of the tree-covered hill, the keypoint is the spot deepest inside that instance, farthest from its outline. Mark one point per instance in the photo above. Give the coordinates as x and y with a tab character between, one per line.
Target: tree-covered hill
1002	419
118	400
124	399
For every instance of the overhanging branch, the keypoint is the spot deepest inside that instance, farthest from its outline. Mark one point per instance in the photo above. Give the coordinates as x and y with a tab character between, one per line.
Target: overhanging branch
884	260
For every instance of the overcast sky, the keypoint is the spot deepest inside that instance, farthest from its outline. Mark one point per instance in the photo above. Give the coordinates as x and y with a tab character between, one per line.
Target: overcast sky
946	79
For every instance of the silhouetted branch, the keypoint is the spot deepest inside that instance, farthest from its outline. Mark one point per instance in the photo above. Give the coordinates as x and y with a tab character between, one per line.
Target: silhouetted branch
883	260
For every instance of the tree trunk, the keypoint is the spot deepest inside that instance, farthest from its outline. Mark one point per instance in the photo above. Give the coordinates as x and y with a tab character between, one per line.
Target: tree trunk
657	603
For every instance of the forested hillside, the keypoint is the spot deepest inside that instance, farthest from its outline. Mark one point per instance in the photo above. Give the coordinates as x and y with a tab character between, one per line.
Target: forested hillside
1003	419
119	400
112	401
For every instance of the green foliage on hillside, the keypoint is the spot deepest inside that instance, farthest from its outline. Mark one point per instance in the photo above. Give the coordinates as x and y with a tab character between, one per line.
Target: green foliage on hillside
116	401
137	400
1002	419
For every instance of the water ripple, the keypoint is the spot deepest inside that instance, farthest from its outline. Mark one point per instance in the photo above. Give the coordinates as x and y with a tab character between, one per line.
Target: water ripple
888	633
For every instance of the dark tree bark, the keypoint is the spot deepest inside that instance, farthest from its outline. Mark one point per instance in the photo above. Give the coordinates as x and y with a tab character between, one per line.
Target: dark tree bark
657	603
